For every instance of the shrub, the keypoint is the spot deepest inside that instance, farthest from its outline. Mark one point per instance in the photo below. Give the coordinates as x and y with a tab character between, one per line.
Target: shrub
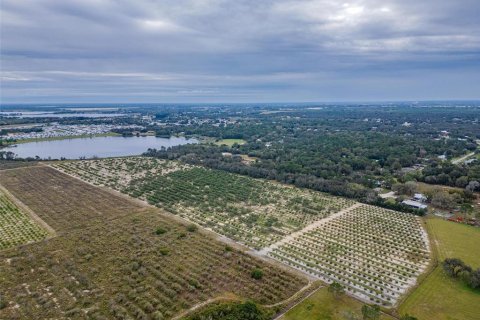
157	315
257	274
192	228
194	283
181	235
370	312
3	303
164	251
455	267
135	265
336	289
160	231
474	280
231	311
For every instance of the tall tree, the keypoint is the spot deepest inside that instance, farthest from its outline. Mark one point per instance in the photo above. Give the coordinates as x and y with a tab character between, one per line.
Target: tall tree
336	289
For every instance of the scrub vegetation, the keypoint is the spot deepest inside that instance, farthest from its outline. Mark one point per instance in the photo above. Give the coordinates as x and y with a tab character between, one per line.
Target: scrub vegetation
116	265
252	211
375	253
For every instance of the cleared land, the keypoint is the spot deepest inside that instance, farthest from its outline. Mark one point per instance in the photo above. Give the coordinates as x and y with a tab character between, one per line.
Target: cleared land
254	212
124	263
230	142
16	226
62	202
439	296
7	164
376	254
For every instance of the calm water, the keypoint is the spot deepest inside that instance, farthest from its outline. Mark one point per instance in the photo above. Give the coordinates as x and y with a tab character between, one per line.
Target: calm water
101	147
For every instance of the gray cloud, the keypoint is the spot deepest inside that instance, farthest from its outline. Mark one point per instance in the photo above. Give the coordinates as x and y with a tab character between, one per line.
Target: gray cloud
218	50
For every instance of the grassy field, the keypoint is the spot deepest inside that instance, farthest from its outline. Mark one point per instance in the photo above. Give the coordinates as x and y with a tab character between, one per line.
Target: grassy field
116	260
440	297
323	305
455	240
230	142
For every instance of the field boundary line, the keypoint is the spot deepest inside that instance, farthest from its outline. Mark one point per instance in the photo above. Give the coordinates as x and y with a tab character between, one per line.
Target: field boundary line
462	158
314	291
29	212
232	299
435	255
114	192
18	168
208	232
309	227
296	294
145	204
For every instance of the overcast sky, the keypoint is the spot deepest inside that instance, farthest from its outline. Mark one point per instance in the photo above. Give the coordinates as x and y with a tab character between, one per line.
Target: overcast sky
238	51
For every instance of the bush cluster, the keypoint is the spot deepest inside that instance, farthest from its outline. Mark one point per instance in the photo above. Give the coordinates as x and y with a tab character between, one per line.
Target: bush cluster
456	268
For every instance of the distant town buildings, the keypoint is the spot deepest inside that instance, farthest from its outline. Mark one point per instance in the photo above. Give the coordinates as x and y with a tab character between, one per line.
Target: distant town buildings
57	130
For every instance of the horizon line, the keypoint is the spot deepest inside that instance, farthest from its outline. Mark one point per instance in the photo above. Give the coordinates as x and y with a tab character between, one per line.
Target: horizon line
53	104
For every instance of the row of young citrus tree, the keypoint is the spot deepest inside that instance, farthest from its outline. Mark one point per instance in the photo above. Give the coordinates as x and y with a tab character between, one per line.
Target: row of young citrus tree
376	254
254	212
16	227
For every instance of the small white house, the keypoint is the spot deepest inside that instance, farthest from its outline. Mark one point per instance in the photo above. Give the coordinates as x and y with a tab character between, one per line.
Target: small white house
419	197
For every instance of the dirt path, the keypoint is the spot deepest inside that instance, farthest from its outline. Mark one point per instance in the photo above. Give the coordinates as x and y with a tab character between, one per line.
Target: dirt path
308	228
238	246
226	298
231	298
298	293
262	254
462	158
296	304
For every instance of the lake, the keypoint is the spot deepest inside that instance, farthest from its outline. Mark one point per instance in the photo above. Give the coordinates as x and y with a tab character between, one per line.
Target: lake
101	147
